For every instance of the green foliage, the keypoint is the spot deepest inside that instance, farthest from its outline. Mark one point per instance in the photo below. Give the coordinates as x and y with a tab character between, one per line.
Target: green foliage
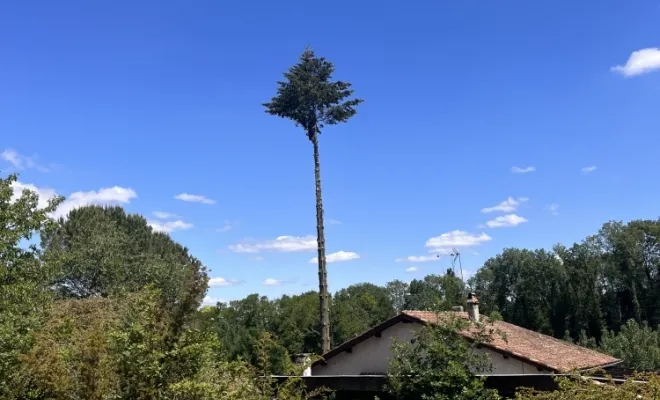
398	292
638	345
102	251
296	324
441	364
310	98
70	357
523	286
105	311
24	293
120	348
359	307
435	292
579	388
242	324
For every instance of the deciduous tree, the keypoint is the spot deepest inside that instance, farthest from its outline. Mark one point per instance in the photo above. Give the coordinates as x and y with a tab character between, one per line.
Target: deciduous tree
103	251
24	290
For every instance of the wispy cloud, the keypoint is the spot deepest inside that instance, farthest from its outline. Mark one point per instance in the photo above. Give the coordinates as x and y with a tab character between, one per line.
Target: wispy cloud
412	269
272	282
284	244
589	169
257	258
169	226
164	215
445	242
334	222
523	170
168	222
105	196
337	257
553	208
20	161
419	258
506	221
640	62
219	281
194	198
226	227
507	205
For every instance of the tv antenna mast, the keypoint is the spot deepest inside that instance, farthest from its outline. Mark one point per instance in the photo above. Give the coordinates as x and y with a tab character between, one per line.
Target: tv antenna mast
456	255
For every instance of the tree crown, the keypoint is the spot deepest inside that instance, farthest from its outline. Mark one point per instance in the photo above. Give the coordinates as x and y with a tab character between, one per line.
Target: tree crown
310	98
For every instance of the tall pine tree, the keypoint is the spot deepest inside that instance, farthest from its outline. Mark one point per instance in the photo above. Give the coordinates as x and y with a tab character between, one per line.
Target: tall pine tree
310	98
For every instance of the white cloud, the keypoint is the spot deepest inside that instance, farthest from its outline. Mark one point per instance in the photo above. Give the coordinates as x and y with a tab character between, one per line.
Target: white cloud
523	170
507	205
589	169
284	244
211	301
219	281
334	222
553	208
640	62
272	282
164	215
337	257
257	258
506	221
20	161
446	241
419	258
44	194
106	196
411	269
194	198
226	227
169	226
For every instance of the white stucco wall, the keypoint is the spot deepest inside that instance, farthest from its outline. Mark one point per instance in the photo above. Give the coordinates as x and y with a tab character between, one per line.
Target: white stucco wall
509	365
372	356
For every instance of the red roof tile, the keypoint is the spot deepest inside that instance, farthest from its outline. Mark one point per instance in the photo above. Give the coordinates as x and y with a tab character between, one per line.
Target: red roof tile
541	350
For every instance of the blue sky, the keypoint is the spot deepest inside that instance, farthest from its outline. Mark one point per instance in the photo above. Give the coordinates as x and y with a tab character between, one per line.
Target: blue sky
136	102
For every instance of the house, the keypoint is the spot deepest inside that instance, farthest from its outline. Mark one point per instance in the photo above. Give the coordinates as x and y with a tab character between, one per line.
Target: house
523	352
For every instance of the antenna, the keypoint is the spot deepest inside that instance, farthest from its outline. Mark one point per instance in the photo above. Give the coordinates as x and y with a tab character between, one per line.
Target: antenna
456	255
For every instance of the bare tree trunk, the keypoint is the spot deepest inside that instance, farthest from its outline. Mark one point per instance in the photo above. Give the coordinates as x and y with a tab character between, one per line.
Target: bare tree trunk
320	238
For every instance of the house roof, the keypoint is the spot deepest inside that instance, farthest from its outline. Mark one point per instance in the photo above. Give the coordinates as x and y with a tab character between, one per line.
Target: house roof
537	349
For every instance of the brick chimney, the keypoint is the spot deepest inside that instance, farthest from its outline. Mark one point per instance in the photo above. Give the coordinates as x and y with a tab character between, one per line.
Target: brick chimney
473	307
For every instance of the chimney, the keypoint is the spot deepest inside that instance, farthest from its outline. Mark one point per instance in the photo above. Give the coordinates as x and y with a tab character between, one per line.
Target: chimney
473	307
303	360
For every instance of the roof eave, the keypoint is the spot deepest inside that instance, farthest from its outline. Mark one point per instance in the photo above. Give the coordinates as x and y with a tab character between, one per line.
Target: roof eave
349	344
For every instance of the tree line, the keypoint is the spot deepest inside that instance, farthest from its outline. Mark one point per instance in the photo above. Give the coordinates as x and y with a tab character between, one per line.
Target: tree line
591	289
104	307
602	293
